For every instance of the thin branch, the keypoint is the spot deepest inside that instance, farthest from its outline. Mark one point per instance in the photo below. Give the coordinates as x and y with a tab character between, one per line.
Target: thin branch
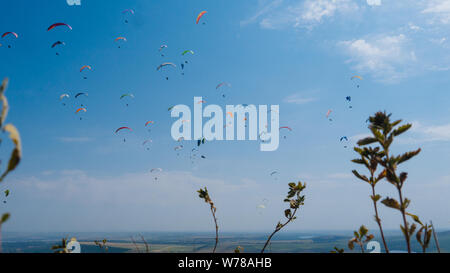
278	228
147	248
435	238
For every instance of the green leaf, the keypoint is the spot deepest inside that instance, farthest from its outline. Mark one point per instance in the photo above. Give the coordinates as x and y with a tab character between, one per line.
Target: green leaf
366	141
400	130
4	218
362	177
16	154
391	203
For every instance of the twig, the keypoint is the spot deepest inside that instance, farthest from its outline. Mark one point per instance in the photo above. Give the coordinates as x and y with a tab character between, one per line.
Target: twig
435	238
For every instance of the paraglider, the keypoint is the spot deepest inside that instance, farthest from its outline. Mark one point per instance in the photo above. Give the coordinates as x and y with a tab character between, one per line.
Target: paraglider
357	77
57	43
79	110
126	12
286	127
200	15
83	68
147	141
344	138
123	128
349	99
162	47
79	94
6	192
222	84
120	39
200	141
156	170
328	114
165	64
149	122
63	96
57	25
127	95
187	51
10	33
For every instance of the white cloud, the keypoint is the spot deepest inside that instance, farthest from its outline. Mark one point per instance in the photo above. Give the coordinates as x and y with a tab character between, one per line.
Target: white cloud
298	99
374	2
427	133
300	14
440	9
262	11
387	58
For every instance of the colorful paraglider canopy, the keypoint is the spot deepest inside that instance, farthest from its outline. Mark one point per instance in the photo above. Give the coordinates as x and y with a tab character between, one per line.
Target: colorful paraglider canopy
10	33
178	148
79	94
84	67
123	128
286	127
156	170
165	64
57	43
127	95
120	38
187	51
128	11
146	141
356	77
81	109
64	96
162	47
149	122
222	84
200	15
57	25
329	112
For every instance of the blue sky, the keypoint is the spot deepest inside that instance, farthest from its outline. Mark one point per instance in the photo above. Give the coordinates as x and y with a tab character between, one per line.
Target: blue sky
78	175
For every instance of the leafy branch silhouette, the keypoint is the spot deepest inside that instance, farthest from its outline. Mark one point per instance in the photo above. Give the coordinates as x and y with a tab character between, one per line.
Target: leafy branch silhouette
295	200
203	194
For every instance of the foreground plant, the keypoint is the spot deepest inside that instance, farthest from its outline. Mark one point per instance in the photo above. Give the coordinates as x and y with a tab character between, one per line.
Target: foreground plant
102	244
16	154
203	194
295	200
369	157
361	238
61	248
383	133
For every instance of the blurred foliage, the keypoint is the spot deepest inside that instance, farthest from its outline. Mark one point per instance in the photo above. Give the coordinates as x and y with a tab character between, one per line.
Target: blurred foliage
14	135
102	244
361	237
